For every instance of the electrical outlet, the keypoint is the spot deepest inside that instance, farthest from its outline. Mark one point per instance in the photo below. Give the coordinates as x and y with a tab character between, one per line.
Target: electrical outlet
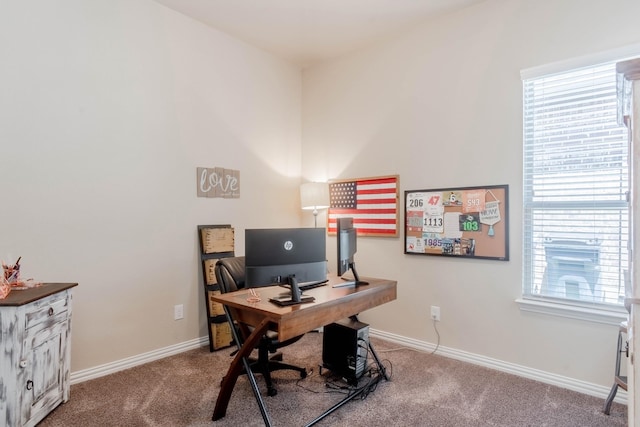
178	312
435	313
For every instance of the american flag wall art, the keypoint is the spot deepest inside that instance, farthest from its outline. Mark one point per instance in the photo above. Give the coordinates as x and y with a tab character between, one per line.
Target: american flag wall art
371	202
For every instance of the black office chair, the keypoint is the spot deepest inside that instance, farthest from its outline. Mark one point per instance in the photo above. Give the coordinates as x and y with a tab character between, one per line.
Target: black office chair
230	276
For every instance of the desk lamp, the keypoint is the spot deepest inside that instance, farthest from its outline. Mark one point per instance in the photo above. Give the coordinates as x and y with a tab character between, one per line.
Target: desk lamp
314	195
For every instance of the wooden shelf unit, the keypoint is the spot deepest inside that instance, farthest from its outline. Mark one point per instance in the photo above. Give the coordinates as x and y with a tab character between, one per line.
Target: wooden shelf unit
216	241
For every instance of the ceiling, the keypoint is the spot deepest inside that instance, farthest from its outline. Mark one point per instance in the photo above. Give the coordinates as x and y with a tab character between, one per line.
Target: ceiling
311	31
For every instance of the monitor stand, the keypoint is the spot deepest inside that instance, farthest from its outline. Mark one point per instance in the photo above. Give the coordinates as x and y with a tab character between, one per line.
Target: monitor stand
356	282
296	295
352	266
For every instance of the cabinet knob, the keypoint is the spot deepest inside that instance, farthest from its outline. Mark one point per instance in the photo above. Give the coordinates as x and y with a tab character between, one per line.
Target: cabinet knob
50	311
23	364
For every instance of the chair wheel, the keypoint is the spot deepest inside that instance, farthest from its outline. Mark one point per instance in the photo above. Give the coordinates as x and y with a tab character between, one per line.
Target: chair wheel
303	374
271	391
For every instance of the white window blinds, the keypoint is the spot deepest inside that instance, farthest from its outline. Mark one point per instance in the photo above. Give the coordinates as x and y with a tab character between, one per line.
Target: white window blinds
576	215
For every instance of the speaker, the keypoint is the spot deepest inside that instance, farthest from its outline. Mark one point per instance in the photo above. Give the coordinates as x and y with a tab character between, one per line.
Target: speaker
345	345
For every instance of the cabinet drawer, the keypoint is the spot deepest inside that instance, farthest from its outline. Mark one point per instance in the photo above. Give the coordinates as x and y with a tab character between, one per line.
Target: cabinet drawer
46	309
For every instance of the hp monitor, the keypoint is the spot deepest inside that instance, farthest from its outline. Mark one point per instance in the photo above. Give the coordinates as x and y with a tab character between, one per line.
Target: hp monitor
285	256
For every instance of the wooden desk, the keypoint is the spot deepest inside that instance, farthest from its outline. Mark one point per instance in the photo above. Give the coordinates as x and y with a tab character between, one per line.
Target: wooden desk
330	305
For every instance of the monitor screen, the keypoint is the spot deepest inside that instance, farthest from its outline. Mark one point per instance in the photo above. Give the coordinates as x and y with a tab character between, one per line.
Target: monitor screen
273	255
346	237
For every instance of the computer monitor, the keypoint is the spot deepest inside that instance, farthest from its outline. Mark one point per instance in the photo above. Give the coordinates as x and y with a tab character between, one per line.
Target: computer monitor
285	256
346	237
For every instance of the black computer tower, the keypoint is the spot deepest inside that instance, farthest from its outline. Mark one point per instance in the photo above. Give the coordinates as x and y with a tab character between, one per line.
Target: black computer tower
345	346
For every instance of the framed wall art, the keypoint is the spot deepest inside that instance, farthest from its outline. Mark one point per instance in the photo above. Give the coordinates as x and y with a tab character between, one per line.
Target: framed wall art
465	222
373	203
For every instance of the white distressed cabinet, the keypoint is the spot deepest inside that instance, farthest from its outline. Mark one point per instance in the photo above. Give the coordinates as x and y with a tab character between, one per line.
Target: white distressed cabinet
34	352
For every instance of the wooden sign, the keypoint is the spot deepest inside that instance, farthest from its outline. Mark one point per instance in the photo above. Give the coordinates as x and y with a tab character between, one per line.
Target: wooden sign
469	222
218	182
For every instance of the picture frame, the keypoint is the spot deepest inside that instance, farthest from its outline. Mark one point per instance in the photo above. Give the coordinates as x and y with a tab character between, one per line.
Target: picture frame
373	203
459	222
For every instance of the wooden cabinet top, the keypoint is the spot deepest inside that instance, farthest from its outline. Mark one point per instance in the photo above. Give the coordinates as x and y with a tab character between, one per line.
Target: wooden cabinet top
25	296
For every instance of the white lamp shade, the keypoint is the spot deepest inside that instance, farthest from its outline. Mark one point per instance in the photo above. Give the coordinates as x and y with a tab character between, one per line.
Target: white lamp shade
314	195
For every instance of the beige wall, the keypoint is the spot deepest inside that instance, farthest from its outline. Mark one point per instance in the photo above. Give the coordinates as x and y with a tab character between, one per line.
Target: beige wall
106	109
441	107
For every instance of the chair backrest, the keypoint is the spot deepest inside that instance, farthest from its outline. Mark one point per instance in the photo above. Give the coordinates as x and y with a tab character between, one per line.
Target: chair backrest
230	273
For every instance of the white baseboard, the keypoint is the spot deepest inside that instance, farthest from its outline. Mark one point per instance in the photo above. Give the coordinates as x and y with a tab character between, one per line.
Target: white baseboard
510	368
476	359
140	359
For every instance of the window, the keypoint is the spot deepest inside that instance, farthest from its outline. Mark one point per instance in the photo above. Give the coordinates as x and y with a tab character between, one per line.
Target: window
576	179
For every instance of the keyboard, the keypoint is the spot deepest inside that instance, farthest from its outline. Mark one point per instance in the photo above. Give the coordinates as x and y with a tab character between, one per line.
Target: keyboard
305	286
285	300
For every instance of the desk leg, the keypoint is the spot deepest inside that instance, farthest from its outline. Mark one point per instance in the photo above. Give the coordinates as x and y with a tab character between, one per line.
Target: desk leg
373	352
378	362
339	405
256	392
383	374
240	360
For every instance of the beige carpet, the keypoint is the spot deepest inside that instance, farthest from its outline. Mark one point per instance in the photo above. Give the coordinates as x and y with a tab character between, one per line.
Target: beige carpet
425	390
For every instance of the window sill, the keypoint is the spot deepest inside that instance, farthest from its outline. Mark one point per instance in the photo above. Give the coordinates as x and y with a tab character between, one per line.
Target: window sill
611	316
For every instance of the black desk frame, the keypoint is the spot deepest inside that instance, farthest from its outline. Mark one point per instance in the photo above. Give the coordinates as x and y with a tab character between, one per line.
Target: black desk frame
256	390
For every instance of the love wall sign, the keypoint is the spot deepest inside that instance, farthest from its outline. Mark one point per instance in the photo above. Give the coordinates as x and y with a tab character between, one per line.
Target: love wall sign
218	182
